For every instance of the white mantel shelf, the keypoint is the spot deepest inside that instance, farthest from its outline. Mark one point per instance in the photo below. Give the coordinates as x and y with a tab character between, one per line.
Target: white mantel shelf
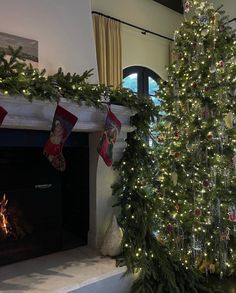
38	115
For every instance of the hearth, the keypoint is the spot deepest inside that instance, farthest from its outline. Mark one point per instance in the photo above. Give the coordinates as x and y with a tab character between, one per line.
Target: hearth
41	210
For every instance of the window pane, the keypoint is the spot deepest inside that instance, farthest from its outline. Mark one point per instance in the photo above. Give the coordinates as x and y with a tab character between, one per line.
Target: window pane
131	82
153	87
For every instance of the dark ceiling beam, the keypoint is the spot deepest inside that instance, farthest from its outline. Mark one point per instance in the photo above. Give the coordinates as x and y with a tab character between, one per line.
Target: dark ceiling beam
172	4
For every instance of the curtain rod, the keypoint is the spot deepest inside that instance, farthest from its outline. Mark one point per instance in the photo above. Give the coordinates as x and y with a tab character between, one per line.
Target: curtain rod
143	30
234	19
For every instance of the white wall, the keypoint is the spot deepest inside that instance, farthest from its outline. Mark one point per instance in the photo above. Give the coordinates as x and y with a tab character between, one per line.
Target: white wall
229	7
62	27
139	49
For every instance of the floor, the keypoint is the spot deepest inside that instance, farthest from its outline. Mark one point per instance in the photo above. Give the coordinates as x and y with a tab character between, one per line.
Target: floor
79	270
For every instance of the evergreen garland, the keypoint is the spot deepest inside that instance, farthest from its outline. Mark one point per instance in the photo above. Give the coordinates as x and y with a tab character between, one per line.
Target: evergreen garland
18	78
137	193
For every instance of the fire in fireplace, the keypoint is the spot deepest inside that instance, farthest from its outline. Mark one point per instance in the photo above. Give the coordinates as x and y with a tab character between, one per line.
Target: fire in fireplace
42	210
4	224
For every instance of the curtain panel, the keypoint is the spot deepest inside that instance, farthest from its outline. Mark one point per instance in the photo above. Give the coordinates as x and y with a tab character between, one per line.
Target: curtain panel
108	48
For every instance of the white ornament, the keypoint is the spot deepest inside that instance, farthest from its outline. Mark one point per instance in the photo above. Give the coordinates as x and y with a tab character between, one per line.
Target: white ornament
174	177
233	60
212	69
204	32
112	241
229	120
196	244
216	17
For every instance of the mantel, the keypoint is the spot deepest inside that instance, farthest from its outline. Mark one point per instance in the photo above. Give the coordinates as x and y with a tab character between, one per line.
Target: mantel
38	115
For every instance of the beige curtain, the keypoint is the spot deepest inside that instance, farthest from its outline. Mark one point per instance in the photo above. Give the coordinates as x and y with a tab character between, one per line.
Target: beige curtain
108	47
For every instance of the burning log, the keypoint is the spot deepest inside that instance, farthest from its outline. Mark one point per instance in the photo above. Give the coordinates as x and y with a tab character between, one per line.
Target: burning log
4	224
12	222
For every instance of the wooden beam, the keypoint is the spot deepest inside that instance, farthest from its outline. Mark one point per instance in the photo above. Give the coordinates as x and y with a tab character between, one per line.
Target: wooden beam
172	4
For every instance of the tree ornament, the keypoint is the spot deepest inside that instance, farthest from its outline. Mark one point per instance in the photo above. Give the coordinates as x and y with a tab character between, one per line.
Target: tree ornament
233	60
229	120
222	28
224	236
196	244
203	267
174	177
177	155
177	134
212	268
62	125
161	238
216	17
198	212
194	85
233	92
232	213
204	32
161	138
170	228
212	68
210	135
206	183
203	20
221	64
186	7
206	89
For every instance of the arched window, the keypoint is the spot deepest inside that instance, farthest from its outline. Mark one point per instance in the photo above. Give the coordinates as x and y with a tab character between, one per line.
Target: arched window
141	80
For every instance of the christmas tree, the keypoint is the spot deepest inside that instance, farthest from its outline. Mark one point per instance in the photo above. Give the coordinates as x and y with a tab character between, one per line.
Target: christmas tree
196	143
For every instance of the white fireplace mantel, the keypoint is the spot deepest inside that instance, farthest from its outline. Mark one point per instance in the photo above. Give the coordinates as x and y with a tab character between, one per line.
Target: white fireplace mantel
38	115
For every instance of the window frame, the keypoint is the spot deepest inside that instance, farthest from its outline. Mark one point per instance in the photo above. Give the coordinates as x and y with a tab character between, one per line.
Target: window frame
143	73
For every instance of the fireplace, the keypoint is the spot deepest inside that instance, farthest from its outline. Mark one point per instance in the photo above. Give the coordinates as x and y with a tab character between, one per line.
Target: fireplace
42	210
78	203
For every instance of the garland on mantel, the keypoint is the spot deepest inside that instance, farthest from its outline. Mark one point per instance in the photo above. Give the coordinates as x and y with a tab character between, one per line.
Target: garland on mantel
135	189
18	78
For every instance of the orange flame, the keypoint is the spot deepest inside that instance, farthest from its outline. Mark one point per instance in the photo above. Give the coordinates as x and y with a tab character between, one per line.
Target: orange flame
4	224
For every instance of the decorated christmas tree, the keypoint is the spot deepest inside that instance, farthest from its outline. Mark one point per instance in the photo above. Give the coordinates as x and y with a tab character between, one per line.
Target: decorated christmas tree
196	144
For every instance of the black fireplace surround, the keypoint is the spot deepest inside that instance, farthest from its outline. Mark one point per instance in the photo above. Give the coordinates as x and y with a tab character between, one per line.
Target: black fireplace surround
47	210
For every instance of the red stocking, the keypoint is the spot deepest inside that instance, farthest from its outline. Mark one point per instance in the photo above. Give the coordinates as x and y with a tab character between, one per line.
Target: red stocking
62	125
3	113
108	138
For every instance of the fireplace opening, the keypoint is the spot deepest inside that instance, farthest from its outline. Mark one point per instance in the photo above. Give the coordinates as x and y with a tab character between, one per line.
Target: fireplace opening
42	210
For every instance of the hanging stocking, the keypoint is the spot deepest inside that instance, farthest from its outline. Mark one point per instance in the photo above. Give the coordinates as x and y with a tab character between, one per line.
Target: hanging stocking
63	122
3	113
108	138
